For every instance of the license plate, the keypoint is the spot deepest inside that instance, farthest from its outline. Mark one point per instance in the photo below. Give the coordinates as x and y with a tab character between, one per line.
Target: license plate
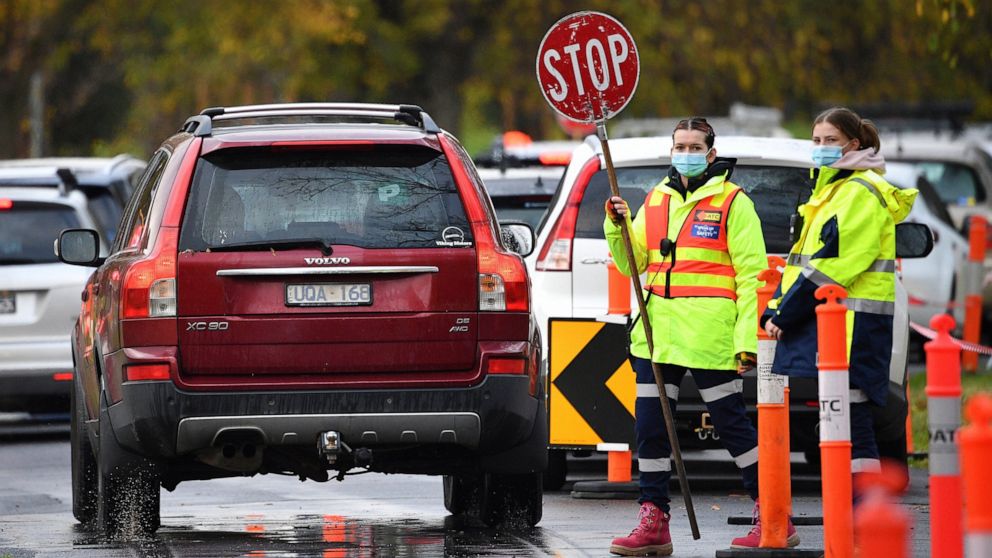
328	294
8	304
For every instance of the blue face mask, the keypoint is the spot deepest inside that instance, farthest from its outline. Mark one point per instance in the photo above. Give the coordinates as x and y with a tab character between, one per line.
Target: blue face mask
690	164
826	155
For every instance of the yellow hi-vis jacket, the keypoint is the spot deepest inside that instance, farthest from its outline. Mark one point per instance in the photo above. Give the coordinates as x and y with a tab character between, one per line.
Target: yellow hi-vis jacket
704	332
848	239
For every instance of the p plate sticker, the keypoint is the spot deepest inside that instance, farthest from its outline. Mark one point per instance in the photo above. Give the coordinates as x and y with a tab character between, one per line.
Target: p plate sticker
452	236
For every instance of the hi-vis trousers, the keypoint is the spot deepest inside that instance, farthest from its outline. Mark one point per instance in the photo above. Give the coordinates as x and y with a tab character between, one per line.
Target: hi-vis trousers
721	390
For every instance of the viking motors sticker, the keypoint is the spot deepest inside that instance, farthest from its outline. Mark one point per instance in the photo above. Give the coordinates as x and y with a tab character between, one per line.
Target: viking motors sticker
704	216
451	237
711	232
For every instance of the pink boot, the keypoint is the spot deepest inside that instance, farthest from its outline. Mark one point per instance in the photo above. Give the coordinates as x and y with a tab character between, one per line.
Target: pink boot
753	537
649	537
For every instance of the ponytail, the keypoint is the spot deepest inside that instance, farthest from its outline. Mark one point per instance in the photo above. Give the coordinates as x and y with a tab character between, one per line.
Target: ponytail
852	126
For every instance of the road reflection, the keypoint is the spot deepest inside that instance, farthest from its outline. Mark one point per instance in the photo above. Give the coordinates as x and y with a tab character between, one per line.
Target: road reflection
323	536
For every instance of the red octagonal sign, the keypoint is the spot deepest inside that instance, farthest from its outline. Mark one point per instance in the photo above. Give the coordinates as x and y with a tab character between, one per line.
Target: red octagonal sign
587	66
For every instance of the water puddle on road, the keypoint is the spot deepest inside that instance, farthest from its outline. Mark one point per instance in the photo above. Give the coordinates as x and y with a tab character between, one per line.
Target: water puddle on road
322	536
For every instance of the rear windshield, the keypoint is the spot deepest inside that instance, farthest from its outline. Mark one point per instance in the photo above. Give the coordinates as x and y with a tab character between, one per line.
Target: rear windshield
956	184
776	192
387	197
28	231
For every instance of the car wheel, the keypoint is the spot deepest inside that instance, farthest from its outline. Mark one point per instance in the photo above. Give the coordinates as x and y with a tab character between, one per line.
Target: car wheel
84	469
128	489
812	455
555	474
511	499
461	494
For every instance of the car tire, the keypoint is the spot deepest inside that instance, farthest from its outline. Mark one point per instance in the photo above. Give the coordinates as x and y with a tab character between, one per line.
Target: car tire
812	455
557	471
512	500
461	494
83	462
128	489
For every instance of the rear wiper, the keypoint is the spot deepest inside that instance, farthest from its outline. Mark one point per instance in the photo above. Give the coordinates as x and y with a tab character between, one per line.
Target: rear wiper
325	247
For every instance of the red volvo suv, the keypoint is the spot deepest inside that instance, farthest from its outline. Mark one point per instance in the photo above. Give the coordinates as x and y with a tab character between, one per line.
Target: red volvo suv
305	289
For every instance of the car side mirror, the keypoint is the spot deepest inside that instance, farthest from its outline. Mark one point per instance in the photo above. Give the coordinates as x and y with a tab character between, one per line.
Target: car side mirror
79	247
518	237
913	240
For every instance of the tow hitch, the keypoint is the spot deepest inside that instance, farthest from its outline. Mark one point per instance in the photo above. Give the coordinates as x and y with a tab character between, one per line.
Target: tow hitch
331	446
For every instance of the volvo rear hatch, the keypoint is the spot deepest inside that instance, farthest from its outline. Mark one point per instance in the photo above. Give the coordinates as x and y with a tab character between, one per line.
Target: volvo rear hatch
352	265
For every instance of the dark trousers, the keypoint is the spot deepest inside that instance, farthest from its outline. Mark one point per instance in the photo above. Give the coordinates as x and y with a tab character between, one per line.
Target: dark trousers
721	390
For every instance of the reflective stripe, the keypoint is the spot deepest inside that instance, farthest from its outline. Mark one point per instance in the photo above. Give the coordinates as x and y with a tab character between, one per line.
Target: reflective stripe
716	393
943	420
871	188
866	465
660	465
747	458
858	396
817	276
651	390
885	266
871	306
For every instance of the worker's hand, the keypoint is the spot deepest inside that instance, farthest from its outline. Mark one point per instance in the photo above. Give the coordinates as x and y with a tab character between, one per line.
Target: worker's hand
616	209
746	362
773	330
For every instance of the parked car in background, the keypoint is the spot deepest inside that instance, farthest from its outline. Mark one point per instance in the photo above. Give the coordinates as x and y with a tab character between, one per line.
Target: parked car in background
522	194
273	305
40	296
570	257
517	149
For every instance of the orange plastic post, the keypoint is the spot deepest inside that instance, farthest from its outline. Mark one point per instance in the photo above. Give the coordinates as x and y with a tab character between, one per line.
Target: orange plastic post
618	465
835	423
975	441
619	290
943	420
977	229
881	526
774	478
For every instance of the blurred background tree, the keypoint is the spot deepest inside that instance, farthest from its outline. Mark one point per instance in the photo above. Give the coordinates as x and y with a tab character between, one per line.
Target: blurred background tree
106	76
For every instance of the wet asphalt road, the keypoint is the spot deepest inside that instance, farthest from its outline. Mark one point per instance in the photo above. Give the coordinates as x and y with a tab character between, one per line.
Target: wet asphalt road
371	515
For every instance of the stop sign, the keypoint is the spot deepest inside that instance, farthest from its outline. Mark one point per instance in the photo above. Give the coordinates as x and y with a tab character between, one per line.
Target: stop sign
587	66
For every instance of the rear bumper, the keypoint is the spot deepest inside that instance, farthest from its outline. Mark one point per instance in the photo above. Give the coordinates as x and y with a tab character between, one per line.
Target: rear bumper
158	421
35	391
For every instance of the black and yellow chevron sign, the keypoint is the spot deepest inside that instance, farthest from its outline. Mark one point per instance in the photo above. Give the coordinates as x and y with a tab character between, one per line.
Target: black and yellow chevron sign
592	390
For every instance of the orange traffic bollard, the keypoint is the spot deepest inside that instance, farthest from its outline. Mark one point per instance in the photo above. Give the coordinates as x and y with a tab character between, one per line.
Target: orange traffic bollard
619	290
973	272
976	454
618	465
774	472
943	420
835	423
909	424
881	525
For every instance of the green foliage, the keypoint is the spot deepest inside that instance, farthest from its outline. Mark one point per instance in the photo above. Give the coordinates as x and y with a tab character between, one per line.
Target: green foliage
123	74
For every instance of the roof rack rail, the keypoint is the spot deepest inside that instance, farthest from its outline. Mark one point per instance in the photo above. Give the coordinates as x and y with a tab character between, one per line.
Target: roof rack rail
412	115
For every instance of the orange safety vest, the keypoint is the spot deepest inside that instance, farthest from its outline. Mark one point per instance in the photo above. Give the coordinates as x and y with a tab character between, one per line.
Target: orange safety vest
699	263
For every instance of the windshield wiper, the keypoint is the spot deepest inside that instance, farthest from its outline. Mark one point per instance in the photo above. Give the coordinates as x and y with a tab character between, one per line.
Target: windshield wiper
325	247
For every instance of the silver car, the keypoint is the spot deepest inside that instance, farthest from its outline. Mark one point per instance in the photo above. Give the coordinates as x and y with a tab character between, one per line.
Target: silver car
40	296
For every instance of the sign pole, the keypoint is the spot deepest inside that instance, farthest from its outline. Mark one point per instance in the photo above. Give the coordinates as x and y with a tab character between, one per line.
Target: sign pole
666	410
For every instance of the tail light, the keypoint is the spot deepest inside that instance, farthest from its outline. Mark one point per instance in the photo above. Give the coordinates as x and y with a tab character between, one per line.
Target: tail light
556	253
146	372
501	365
503	281
149	286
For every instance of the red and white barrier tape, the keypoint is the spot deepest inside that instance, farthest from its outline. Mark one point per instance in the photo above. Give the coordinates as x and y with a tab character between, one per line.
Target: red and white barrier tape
965	346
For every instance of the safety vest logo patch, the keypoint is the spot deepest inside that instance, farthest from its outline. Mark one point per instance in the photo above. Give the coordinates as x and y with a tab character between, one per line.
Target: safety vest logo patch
711	232
703	216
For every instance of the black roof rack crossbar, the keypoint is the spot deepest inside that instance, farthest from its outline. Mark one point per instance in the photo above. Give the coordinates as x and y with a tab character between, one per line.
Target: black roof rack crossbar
412	115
